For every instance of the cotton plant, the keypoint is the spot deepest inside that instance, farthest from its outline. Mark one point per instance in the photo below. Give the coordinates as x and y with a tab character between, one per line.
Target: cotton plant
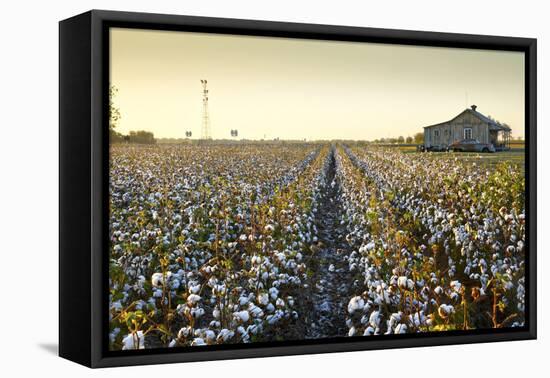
209	250
439	272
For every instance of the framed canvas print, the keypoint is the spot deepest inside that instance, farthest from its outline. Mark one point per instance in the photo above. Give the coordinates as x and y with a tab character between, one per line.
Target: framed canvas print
234	188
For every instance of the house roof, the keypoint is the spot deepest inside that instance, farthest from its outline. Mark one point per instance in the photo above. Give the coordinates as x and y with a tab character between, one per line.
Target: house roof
493	125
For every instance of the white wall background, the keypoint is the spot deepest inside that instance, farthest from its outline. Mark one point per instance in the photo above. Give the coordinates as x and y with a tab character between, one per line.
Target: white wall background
29	185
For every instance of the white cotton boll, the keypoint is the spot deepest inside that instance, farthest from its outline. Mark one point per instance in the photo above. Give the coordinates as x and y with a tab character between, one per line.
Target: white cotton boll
219	290
255	311
456	285
280	303
273	293
197	312
173	343
194	289
445	310
370	246
368	331
175	284
243	237
280	256
210	336
134	340
331	268
402	282
395	318
352	332
117	306
242	316
114	334
290	301
243	300
256	260
438	290
216	313
263	299
157	279
198	341
269	228
225	335
193	299
270	307
374	319
401	328
355	304
416	319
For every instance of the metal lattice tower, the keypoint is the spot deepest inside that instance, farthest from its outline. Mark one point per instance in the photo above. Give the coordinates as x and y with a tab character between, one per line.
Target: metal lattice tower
205	128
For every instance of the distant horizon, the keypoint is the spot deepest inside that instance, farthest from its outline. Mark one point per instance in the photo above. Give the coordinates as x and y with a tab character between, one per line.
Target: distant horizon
293	89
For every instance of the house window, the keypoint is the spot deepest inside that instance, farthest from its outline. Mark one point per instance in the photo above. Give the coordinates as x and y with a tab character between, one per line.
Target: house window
436	133
467	133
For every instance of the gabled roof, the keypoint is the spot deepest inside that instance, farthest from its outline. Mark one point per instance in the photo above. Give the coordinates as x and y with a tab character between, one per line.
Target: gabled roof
493	125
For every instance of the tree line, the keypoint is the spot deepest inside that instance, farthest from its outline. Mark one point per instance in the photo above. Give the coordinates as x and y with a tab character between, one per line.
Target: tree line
417	138
139	137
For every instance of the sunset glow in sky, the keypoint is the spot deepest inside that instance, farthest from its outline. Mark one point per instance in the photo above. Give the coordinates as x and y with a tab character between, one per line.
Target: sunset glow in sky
296	89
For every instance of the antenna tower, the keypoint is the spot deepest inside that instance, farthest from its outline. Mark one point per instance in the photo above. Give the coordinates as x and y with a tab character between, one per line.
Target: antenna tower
205	128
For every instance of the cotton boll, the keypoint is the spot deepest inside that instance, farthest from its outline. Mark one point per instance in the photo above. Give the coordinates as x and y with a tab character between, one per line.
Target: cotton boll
198	341
225	335
368	331
355	304
445	310
193	299
456	286
241	316
401	328
374	319
135	340
243	300
194	289
263	299
210	336
273	292
157	279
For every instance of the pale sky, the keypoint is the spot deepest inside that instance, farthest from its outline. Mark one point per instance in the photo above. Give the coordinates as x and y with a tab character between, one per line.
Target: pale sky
296	88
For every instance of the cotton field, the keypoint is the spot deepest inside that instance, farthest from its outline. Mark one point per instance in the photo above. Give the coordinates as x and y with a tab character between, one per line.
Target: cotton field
217	244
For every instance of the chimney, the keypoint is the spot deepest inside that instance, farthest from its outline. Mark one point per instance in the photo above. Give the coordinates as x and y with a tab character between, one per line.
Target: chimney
474	107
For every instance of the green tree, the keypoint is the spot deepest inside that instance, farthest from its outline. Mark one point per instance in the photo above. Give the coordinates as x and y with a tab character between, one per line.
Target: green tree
419	138
409	140
141	137
114	111
114	116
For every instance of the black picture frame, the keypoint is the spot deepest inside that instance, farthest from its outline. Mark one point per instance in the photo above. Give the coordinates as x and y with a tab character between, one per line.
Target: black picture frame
83	181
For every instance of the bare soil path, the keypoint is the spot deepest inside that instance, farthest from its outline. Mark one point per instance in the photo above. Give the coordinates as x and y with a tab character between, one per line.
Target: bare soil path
331	279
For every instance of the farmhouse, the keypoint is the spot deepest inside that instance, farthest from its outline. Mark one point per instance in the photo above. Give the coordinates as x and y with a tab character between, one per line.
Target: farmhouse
470	124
